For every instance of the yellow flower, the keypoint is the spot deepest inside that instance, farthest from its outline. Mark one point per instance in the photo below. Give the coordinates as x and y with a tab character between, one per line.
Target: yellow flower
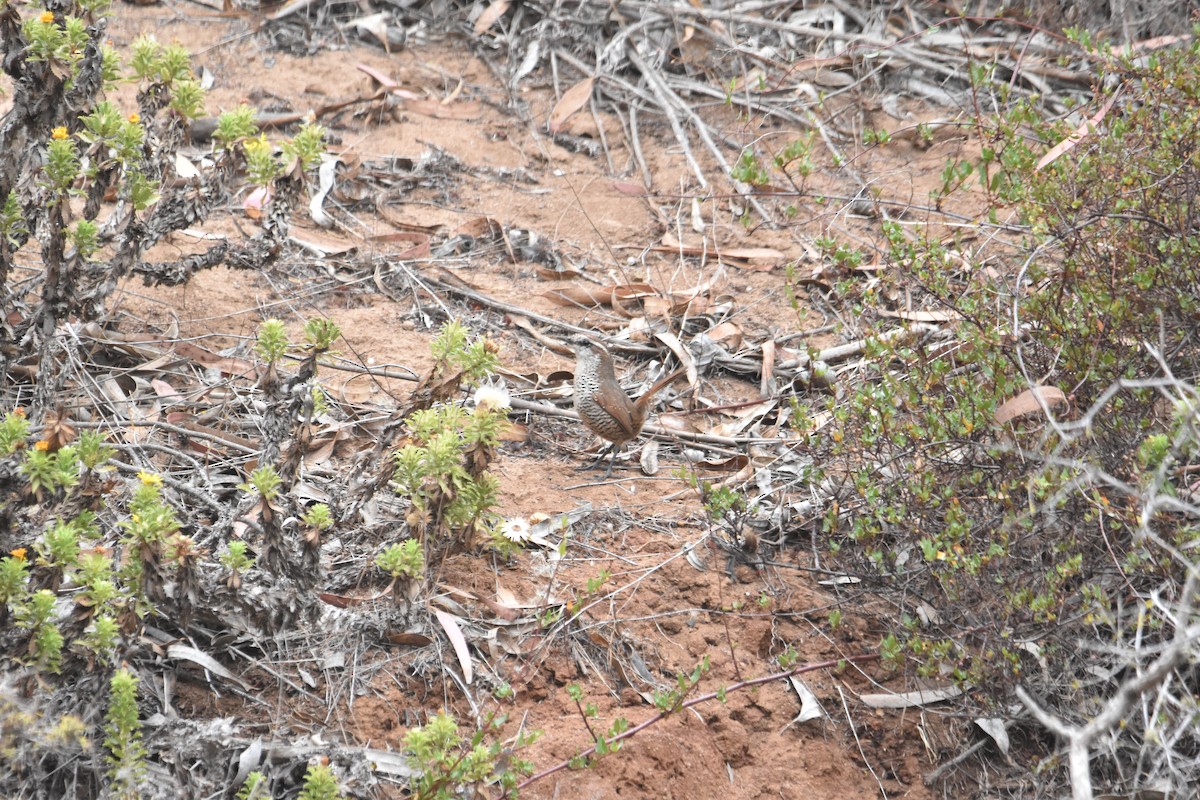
41	445
46	18
18	554
150	479
59	133
135	118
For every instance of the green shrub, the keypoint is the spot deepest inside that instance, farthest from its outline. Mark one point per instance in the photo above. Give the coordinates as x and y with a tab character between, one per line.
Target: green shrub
1012	541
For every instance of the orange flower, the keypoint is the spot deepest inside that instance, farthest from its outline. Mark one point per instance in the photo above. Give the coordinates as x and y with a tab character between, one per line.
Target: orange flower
135	118
46	18
41	445
18	554
59	133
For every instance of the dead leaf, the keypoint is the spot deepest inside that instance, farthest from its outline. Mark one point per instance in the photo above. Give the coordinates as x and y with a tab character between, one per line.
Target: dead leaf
481	228
547	274
408	639
184	168
374	24
321	242
656	307
728	334
744	417
379	77
204	661
578	294
235	367
994	727
488	18
419	241
165	391
458	641
1026	403
685	357
672	245
810	707
1077	136
255	202
920	697
571	101
501	610
768	367
639	300
677	423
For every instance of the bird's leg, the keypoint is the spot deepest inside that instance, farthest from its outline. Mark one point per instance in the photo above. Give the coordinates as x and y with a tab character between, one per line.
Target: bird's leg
596	462
612	460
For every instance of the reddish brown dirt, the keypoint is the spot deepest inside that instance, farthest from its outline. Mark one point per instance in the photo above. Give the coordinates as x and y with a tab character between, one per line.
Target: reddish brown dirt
655	604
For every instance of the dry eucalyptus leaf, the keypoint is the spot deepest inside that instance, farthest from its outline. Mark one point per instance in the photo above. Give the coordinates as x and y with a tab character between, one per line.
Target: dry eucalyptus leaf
204	661
995	729
920	697
458	642
571	101
490	15
728	334
1026	403
810	707
1076	136
841	580
578	294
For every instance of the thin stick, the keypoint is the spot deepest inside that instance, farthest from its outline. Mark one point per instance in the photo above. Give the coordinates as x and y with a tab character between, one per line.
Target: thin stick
695	701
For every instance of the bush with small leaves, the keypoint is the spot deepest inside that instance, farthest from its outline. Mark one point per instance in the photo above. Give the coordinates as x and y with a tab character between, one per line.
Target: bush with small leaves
999	531
449	764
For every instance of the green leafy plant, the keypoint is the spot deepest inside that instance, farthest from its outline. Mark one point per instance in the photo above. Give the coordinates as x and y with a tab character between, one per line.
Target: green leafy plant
320	784
254	788
1017	521
36	614
49	472
236	560
13	432
272	342
14	580
443	471
449	763
403	560
150	523
123	738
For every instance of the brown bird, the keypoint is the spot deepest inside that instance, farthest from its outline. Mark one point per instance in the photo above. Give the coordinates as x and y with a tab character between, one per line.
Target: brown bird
602	404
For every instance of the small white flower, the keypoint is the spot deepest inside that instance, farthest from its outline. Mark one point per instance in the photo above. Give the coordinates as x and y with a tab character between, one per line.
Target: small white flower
515	530
491	395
